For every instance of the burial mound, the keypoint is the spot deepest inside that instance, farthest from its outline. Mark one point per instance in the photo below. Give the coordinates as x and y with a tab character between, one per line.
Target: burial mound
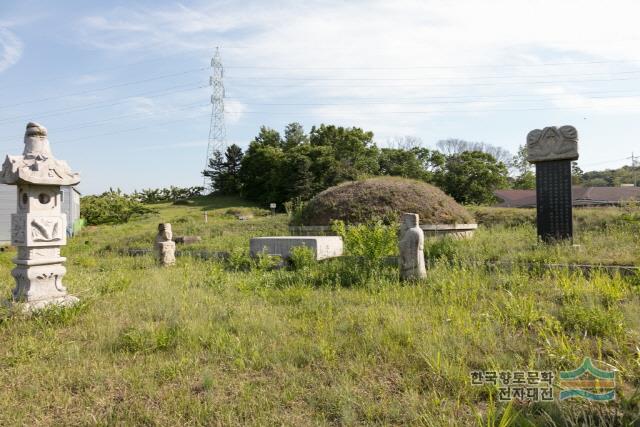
384	198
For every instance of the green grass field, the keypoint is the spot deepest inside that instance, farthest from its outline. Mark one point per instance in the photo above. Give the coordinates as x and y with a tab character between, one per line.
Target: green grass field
333	343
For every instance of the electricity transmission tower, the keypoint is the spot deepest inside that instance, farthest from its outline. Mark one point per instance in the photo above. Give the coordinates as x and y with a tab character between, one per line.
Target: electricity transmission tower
217	131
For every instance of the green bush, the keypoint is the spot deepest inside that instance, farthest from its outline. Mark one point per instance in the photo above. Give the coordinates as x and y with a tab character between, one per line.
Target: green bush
295	208
443	248
372	242
111	207
302	257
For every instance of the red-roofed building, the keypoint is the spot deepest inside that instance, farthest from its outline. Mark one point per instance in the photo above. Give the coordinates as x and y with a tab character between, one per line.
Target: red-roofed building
581	196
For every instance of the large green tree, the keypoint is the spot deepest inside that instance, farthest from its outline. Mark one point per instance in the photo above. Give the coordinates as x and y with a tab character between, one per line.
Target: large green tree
277	169
224	172
416	162
525	178
471	177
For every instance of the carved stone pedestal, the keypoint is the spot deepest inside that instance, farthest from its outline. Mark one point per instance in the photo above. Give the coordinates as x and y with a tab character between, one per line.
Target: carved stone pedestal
38	229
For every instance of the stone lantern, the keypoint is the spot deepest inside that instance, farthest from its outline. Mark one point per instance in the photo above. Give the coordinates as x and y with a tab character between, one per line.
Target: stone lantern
38	229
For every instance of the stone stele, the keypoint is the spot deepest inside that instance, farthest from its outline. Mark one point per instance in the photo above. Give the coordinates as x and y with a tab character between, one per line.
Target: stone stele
552	143
38	229
165	246
411	245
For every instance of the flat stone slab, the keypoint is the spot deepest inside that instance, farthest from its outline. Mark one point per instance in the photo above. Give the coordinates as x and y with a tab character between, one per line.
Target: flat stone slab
322	246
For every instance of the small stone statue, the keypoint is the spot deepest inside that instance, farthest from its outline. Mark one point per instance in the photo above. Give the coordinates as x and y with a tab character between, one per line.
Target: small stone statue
165	246
411	247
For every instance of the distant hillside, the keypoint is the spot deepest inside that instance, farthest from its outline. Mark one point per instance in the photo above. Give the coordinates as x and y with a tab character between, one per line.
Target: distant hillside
611	177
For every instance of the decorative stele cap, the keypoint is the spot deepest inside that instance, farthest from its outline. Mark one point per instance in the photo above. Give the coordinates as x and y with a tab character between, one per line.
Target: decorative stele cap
552	143
37	164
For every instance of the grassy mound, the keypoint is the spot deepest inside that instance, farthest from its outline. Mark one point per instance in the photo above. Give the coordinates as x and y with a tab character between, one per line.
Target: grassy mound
383	198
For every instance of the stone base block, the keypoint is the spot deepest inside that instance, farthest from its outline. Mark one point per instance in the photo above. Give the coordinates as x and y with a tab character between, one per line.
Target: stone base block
38	282
322	246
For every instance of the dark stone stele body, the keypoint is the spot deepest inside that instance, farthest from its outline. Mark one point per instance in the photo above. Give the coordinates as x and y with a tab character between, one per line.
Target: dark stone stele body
552	149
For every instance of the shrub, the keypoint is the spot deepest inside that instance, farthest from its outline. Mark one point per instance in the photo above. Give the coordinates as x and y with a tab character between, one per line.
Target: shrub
372	242
443	248
265	262
294	209
238	260
111	207
302	258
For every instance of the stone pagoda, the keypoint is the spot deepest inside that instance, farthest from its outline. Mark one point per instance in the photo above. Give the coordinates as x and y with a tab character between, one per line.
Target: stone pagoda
38	229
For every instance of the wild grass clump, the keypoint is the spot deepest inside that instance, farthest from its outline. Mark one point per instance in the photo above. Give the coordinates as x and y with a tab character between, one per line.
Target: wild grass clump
593	321
55	316
148	338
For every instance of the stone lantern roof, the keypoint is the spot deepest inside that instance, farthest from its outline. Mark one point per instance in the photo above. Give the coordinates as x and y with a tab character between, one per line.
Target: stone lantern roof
37	164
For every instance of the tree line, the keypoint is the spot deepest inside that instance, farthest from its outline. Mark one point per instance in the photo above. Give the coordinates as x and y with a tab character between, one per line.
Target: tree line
297	165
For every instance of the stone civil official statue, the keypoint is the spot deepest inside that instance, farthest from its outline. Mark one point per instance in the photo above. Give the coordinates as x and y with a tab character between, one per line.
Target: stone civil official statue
411	245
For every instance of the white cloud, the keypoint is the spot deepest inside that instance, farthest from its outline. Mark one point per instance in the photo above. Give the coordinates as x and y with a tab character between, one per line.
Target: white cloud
425	49
10	48
235	111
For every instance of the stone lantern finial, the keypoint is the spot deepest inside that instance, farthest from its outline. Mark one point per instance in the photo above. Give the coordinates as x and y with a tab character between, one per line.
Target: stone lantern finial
37	164
36	144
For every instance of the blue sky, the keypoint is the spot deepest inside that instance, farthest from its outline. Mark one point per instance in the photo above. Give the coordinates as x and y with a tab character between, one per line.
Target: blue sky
122	86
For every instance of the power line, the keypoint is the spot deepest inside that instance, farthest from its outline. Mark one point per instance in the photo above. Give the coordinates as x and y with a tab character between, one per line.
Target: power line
145	127
103	69
466	101
606	94
103	88
84	125
605	162
297	114
90	124
429	77
541	82
419	67
102	104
